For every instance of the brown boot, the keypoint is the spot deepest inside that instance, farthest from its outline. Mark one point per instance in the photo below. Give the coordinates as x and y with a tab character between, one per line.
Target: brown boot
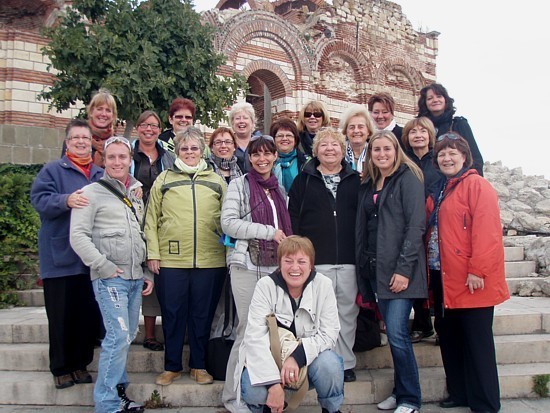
166	378
201	376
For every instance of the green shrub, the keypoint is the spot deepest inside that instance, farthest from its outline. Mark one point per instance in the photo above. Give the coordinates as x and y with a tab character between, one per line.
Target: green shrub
19	224
540	384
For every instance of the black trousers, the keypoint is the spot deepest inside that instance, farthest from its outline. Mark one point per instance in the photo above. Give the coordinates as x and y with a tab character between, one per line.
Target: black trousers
468	352
422	320
74	322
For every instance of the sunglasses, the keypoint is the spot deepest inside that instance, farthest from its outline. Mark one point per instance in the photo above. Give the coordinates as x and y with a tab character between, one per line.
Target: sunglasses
258	136
451	136
117	139
181	117
310	114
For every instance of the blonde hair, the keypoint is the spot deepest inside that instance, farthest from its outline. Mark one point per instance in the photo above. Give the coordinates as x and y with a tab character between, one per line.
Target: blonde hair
356	110
103	97
372	170
314	105
242	107
423	122
325	133
292	245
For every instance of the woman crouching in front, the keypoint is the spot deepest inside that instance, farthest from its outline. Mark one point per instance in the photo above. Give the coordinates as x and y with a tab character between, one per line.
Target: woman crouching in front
466	264
303	302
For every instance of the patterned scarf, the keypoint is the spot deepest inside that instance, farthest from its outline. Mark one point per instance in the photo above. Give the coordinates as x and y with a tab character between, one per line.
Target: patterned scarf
222	164
84	165
261	208
350	157
289	167
99	136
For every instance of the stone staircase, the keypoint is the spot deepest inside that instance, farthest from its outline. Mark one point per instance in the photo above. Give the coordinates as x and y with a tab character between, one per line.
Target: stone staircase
521	327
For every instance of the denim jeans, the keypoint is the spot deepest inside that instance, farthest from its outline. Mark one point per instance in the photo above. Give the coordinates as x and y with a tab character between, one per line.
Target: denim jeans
119	301
405	372
325	375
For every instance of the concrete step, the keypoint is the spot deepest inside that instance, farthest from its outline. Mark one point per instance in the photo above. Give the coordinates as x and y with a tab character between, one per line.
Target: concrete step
519	315
534	348
513	254
519	268
31	298
371	387
514	284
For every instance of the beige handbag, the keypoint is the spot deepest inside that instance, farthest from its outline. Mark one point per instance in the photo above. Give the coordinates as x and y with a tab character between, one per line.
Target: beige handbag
283	343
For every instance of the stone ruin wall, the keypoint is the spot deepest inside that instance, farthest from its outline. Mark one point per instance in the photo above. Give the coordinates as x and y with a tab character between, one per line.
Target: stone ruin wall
299	50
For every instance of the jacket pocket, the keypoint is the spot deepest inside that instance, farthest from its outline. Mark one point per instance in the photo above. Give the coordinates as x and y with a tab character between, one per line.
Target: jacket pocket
62	253
115	245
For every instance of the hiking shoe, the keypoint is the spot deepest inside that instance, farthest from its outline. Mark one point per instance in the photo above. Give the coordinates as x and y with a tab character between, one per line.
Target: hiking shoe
389	404
166	378
64	381
127	404
201	376
81	376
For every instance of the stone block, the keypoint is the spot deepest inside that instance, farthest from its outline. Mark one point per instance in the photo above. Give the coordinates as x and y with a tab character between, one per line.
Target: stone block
21	155
40	155
23	135
5	154
52	138
8	134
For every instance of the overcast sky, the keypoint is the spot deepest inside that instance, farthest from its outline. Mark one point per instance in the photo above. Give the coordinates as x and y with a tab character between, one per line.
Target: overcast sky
493	61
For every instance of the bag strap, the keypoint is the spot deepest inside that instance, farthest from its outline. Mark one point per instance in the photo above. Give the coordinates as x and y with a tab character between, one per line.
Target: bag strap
275	342
119	195
229	308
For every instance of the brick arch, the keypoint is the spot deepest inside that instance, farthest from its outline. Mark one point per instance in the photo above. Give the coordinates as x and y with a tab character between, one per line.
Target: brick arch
246	26
357	60
235	4
272	75
415	78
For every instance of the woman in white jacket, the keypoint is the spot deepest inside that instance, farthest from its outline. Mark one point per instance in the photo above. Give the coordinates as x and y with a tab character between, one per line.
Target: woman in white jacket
304	303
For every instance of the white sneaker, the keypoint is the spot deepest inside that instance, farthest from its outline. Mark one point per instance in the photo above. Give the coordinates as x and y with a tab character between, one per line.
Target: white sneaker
389	404
405	409
234	407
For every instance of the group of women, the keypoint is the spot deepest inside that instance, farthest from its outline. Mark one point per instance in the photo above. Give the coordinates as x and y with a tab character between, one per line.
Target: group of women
356	203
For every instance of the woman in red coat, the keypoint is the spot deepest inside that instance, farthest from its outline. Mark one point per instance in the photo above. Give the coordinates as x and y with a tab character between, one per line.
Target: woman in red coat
466	262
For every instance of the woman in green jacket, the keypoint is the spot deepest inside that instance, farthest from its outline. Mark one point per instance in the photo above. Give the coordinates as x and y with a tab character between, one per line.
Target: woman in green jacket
183	228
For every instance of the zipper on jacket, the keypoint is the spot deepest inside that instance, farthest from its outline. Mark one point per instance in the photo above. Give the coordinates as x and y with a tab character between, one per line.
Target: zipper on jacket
464	217
194	224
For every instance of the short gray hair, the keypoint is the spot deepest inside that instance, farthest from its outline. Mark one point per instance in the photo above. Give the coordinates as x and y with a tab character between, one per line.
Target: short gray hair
191	133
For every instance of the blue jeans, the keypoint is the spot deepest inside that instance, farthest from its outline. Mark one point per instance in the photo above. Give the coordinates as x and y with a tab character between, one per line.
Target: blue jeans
119	301
325	375
405	372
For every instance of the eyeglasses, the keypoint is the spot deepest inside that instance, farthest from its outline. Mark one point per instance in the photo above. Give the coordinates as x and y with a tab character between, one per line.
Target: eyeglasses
258	136
190	148
181	117
452	136
117	139
153	126
228	142
79	138
310	114
284	135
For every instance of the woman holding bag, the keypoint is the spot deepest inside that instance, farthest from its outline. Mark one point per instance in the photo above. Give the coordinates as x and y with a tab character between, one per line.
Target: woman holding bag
303	302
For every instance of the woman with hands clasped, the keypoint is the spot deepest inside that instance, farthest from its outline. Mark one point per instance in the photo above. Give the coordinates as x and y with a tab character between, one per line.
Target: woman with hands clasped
466	264
304	303
391	264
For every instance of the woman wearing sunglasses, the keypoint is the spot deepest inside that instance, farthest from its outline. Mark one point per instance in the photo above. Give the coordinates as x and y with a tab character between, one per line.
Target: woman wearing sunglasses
255	215
466	265
436	104
182	227
181	115
314	115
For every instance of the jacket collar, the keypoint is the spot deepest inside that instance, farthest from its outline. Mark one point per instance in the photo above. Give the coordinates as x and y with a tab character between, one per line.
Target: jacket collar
279	281
134	183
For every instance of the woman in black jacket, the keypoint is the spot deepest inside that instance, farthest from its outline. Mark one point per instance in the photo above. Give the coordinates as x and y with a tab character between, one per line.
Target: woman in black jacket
322	207
390	255
436	104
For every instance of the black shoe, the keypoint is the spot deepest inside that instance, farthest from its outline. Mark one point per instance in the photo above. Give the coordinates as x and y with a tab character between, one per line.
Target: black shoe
349	376
126	403
417	336
326	411
81	376
64	381
449	403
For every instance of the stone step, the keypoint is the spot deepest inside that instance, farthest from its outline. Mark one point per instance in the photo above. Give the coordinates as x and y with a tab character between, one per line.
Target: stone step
515	285
513	253
519	268
534	348
31	298
371	386
519	315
